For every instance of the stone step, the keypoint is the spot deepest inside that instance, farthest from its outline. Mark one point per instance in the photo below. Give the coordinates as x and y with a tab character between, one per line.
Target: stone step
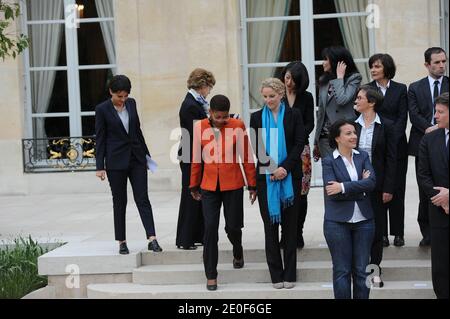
312	271
86	258
320	252
316	290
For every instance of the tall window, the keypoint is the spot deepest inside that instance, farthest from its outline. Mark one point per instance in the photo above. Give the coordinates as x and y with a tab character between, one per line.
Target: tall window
275	32
444	26
67	65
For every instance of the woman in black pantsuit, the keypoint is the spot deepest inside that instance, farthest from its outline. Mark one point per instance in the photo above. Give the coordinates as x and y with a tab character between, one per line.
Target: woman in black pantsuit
394	108
122	154
194	107
279	174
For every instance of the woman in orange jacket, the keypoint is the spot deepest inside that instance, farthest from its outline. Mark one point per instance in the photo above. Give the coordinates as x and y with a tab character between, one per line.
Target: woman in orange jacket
220	145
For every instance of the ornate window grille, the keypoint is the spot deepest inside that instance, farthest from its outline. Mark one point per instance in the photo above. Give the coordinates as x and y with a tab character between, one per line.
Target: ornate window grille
63	154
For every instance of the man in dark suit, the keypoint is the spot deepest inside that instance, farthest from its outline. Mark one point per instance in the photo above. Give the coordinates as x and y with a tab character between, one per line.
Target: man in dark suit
121	154
421	97
433	177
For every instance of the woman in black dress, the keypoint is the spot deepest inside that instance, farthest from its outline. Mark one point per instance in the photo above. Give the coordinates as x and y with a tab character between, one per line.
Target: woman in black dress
295	77
194	107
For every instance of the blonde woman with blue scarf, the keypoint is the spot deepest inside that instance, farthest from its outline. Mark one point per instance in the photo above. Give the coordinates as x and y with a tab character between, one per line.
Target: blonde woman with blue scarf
278	137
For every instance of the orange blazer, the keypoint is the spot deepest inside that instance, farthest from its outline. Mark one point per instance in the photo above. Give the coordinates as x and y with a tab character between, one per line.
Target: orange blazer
220	156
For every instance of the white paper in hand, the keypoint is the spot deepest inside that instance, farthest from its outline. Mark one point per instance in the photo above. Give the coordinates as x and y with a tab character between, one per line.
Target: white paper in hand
151	164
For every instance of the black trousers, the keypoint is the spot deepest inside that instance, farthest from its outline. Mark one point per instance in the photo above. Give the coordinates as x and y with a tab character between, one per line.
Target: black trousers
376	253
190	217
289	217
396	206
422	217
440	261
302	210
137	173
233	206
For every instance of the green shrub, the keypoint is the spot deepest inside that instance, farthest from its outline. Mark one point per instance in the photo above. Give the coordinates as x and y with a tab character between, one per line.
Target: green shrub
19	270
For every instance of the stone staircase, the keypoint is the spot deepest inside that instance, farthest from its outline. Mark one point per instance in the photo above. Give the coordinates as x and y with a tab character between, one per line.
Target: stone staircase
177	274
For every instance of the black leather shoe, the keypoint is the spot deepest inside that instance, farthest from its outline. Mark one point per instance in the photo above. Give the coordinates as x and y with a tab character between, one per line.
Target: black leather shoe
385	241
399	241
153	245
123	249
425	242
212	287
300	242
187	247
238	263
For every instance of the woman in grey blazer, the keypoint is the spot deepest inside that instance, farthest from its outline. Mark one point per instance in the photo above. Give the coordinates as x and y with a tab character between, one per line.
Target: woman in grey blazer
338	87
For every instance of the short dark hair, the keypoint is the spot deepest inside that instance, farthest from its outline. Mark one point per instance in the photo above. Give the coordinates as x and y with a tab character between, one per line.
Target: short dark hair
220	103
335	131
299	75
372	95
431	51
336	54
388	64
120	83
442	99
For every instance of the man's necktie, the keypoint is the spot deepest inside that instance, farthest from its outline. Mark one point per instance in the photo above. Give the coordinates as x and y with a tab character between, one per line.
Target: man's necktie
436	90
435	95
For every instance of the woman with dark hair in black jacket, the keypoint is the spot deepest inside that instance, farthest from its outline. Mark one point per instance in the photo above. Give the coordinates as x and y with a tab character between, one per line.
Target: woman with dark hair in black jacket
395	108
295	77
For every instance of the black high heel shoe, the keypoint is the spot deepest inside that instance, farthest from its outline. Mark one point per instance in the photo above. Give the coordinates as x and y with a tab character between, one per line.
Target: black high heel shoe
213	286
154	246
123	249
238	263
399	241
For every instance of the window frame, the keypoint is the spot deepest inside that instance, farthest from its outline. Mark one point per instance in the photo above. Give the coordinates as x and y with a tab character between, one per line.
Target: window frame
306	18
72	68
443	18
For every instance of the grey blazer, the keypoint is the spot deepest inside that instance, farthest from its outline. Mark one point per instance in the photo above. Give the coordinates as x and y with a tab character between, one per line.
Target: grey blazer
339	104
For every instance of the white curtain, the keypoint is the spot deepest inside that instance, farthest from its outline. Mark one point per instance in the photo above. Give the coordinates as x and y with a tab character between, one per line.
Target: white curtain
45	48
105	9
265	40
355	32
